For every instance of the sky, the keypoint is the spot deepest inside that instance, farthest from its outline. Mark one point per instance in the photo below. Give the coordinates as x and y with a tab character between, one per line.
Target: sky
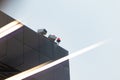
79	23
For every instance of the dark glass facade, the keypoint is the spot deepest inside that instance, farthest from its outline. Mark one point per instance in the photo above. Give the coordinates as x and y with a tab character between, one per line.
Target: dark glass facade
24	49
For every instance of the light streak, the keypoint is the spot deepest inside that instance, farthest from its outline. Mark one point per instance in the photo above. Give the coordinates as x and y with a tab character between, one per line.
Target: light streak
9	25
21	76
9	28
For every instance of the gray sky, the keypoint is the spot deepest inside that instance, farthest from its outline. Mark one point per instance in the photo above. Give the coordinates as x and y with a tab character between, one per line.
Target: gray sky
79	23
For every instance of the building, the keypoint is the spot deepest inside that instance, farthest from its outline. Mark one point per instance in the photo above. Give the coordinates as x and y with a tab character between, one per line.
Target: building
23	49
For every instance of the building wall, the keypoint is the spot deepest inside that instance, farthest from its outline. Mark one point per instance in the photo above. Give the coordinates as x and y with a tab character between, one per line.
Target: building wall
24	49
59	72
